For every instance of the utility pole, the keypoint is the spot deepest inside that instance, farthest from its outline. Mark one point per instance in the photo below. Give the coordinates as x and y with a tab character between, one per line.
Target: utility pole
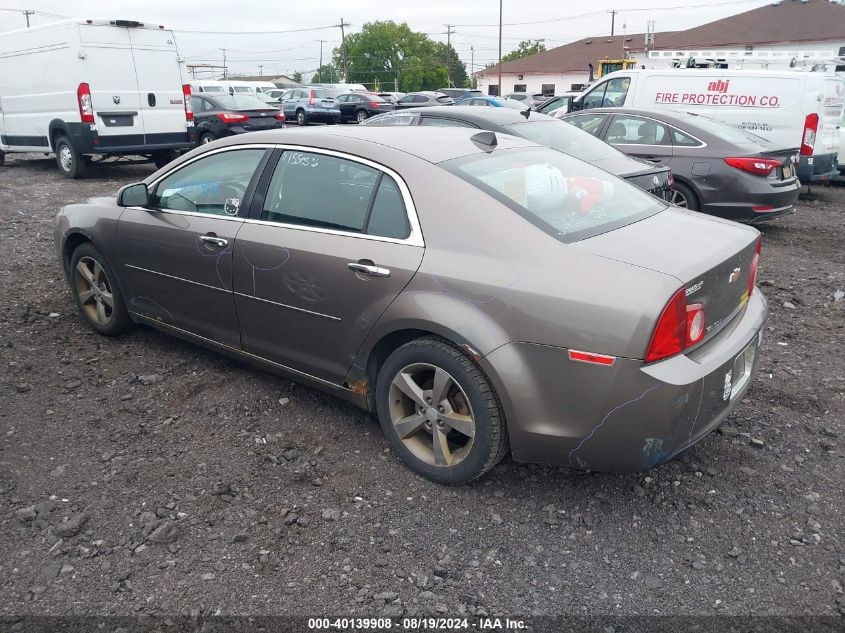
320	67
225	69
27	13
343	49
472	66
612	13
499	88
449	30
260	70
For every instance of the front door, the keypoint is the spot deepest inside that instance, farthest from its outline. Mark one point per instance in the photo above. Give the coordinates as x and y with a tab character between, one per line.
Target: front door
328	248
176	255
641	137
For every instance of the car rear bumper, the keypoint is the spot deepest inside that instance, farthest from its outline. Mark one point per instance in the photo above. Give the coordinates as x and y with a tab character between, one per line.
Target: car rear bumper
817	168
323	116
756	200
628	416
88	141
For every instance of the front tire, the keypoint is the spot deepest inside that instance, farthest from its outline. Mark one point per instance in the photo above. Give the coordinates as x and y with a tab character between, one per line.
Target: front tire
439	412
71	163
97	292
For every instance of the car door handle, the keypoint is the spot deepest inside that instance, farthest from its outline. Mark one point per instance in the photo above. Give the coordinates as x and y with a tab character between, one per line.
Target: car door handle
213	239
368	269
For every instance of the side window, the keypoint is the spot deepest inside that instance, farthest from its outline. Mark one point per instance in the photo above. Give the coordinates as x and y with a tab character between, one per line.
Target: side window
388	217
420	99
679	138
343	98
407	99
438	122
588	122
215	184
630	130
318	190
617	89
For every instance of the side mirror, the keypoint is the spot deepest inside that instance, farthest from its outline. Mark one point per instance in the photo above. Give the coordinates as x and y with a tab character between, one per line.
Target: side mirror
135	195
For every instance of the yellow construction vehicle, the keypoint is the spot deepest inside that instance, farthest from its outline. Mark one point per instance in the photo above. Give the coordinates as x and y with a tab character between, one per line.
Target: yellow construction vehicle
606	65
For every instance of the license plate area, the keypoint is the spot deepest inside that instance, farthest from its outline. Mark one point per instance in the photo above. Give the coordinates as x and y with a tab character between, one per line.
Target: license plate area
788	171
738	377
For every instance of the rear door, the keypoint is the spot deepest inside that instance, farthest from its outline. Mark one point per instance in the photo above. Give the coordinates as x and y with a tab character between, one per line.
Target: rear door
109	70
333	241
160	82
642	137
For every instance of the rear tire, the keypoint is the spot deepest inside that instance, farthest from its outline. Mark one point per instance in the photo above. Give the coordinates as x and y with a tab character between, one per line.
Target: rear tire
452	430
206	138
683	196
97	292
160	159
71	163
301	119
362	116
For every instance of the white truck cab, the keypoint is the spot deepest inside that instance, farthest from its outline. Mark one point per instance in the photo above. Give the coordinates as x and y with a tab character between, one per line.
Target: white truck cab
93	88
791	109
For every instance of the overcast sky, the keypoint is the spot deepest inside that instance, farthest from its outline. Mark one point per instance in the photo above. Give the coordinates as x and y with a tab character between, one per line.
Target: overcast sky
557	22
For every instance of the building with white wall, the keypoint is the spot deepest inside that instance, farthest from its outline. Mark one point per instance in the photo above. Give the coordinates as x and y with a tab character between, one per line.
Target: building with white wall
787	26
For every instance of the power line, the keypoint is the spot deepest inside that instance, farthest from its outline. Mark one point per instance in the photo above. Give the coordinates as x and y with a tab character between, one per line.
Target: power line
313	28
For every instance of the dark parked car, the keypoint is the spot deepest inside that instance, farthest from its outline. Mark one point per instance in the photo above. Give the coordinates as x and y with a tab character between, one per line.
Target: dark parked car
718	169
461	93
549	309
555	106
216	116
360	106
422	99
655	179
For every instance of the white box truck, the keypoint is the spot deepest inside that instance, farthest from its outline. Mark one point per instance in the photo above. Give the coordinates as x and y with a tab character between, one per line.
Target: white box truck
791	109
93	88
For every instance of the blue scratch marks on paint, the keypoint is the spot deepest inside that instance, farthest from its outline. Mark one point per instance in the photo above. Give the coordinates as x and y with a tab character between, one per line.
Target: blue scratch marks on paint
697	411
604	419
137	300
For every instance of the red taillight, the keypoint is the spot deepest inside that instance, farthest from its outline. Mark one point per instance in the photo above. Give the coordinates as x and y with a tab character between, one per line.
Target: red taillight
753	165
670	335
311	98
762	209
376	104
755	262
232	117
189	107
811	126
86	107
279	116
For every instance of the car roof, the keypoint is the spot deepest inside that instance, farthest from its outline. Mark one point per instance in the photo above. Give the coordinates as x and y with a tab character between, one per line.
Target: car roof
498	116
673	117
431	144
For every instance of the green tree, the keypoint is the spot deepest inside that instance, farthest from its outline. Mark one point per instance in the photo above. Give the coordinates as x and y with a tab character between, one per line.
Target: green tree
327	74
457	70
384	52
525	48
297	77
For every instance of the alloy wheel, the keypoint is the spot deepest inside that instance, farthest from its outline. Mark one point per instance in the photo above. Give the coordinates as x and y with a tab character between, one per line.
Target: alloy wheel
362	116
431	414
94	290
678	199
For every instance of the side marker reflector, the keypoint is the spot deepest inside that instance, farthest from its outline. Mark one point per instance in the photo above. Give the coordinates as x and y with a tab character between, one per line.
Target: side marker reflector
590	357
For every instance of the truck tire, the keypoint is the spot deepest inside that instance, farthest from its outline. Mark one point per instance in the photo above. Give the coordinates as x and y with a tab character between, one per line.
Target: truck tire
71	163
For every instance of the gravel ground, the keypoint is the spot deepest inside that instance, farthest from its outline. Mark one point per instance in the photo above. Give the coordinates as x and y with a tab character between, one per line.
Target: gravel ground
144	475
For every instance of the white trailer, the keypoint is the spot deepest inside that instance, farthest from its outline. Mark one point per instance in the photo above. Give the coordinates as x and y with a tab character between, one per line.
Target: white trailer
84	88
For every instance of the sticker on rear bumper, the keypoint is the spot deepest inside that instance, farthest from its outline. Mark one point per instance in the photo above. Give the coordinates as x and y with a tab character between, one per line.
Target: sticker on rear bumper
728	385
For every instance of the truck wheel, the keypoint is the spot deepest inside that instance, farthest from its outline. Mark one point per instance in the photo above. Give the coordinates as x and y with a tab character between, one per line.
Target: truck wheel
162	158
71	163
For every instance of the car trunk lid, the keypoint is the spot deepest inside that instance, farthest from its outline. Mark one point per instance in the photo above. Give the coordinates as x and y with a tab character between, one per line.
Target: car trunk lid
260	119
710	258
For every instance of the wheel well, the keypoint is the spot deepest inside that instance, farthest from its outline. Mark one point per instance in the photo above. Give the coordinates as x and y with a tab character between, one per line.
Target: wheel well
72	242
386	346
690	186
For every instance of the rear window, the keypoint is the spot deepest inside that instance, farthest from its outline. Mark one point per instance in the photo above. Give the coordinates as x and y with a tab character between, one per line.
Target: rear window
565	138
241	102
322	93
402	118
565	197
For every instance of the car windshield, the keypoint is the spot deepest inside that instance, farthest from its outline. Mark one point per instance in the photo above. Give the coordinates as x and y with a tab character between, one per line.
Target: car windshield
564	138
567	198
213	89
241	102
